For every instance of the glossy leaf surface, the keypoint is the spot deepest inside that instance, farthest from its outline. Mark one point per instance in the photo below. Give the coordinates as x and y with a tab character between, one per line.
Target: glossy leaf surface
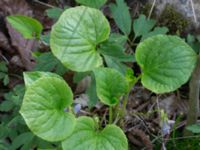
30	28
31	77
166	62
44	108
110	84
75	36
86	137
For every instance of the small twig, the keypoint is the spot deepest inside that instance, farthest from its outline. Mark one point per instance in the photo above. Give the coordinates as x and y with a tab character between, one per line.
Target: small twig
42	3
142	122
6	60
193	11
157	102
185	137
85	112
151	10
160	136
116	119
104	117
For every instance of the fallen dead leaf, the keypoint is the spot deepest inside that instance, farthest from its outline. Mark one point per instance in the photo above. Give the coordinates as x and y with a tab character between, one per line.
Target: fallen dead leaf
23	46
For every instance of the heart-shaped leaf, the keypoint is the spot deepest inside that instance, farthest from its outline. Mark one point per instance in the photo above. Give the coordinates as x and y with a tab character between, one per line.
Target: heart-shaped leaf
87	137
31	77
76	35
110	84
166	62
92	3
43	108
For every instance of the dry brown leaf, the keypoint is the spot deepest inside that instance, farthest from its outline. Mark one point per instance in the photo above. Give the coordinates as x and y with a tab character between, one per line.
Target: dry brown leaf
140	139
83	85
23	46
4	43
13	7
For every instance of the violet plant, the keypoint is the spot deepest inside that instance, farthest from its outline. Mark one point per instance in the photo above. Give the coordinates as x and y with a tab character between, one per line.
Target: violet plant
79	39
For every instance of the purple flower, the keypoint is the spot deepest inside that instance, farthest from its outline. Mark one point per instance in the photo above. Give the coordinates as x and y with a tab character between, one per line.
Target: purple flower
77	108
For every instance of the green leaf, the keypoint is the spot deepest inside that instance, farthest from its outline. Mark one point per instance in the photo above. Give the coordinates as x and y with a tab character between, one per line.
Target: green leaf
6	80
86	137
75	36
130	77
78	76
43	144
195	44
48	149
92	3
16	95
22	139
6	106
30	28
54	13
45	38
2	75
194	128
114	63
156	31
142	25
31	77
92	93
4	131
48	62
190	38
110	84
118	38
4	145
116	51
3	67
198	38
166	62
121	15
43	108
3	72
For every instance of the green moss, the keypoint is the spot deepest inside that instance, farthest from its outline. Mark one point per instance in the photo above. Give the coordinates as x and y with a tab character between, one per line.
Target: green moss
172	19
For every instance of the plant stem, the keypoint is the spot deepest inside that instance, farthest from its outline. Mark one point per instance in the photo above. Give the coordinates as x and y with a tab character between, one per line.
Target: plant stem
125	100
110	115
193	97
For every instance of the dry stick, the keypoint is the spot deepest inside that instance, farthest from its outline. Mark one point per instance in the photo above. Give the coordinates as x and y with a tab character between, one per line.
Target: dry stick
42	3
193	97
151	10
193	11
6	60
